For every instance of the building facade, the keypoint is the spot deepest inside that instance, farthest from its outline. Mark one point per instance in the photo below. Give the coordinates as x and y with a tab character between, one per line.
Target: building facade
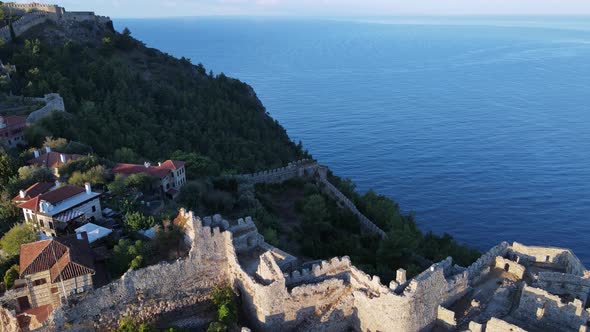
51	271
62	209
12	130
170	173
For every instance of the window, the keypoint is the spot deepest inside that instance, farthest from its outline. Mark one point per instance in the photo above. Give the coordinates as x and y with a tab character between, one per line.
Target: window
39	282
51	225
54	290
41	223
93	208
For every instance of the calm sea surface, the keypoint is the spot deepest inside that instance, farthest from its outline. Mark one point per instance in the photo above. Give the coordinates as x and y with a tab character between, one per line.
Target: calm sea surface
479	125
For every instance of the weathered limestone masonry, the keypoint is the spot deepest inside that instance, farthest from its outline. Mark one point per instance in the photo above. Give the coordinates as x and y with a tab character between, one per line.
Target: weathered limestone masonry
330	296
53	103
310	168
34	14
546	309
157	290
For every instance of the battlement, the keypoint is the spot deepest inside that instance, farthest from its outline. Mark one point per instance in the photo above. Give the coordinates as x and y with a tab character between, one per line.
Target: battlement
332	295
34	14
550	310
325	268
559	257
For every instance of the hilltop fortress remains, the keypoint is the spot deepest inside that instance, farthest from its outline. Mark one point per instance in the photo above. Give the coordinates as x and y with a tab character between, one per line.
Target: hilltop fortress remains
526	288
512	287
33	14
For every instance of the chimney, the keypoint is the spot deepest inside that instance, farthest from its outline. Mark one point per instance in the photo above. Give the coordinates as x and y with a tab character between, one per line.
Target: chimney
43	207
147	164
88	188
57	184
36	153
159	164
22	194
62	158
47	149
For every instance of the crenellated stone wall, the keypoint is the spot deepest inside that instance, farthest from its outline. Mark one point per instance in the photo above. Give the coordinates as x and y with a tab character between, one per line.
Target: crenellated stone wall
310	168
563	284
333	295
482	266
548	255
541	307
34	14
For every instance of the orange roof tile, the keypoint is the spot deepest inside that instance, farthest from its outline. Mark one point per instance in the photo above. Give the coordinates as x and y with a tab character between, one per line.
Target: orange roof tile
156	171
35	190
53	197
67	256
53	159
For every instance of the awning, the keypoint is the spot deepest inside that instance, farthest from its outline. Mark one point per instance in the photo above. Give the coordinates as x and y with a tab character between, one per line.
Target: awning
68	215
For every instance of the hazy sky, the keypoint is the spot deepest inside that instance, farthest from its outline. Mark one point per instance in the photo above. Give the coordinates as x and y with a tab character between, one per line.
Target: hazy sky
161	8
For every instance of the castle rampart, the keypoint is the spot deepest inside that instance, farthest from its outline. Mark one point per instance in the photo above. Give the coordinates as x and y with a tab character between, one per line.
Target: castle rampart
309	168
331	296
541	307
34	14
557	256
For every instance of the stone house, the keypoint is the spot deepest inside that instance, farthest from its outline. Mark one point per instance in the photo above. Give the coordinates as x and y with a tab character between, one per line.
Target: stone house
51	271
52	160
12	130
170	173
61	209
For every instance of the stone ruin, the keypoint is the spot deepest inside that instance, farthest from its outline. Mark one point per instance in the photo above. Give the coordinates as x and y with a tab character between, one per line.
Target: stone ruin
511	287
34	14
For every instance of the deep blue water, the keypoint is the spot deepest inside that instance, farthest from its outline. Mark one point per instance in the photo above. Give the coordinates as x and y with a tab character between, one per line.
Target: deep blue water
480	126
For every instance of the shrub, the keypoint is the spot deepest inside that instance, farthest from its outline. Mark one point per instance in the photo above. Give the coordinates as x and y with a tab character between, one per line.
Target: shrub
10	276
19	234
227	309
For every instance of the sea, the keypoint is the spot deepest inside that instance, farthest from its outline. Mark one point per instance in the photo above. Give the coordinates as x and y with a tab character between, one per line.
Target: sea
478	125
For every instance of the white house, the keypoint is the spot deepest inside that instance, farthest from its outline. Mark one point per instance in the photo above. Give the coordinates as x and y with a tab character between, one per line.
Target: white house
64	207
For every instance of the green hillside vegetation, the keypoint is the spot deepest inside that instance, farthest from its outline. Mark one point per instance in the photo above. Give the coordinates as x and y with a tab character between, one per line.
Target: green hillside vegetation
299	218
130	102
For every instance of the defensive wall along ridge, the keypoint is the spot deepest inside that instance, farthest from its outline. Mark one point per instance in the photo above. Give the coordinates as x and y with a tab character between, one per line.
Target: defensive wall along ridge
332	295
34	14
311	169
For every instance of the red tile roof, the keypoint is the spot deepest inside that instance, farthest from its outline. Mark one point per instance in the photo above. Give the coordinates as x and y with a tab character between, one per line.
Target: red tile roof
156	171
52	159
41	314
173	164
34	191
68	256
53	197
12	123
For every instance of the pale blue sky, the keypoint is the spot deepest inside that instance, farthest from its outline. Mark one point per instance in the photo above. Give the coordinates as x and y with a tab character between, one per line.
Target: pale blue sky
166	8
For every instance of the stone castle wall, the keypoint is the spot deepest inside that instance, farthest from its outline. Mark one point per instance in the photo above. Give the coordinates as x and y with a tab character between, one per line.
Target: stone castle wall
22	8
559	256
331	296
366	224
549	310
53	103
563	284
310	168
25	23
153	291
35	14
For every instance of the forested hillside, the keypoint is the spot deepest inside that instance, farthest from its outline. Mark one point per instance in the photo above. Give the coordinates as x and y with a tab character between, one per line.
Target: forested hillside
121	94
